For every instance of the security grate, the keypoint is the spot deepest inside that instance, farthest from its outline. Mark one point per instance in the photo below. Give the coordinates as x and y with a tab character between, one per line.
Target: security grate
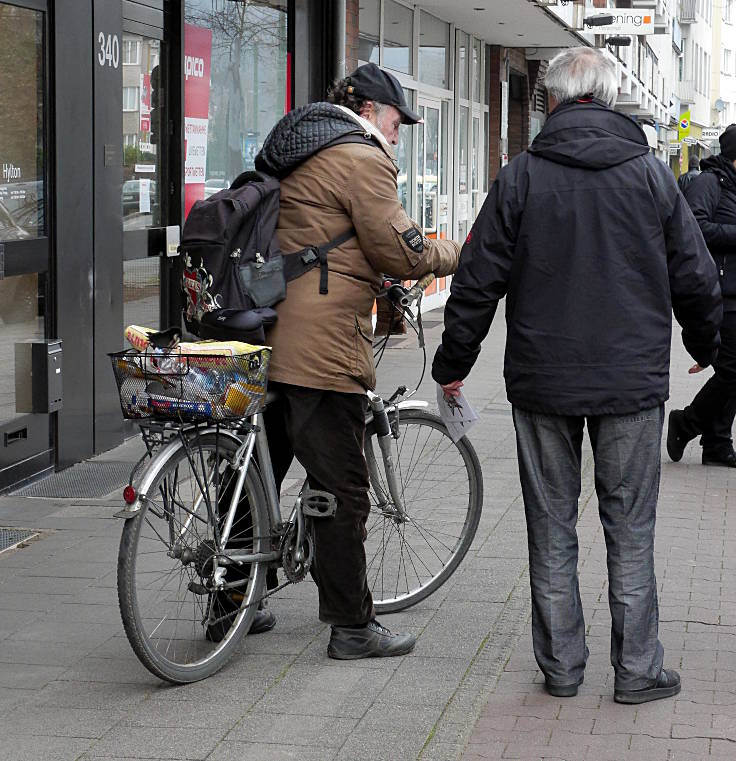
87	480
11	537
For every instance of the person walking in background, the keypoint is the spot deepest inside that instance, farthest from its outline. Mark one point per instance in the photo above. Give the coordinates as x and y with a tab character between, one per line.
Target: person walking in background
712	198
592	244
693	170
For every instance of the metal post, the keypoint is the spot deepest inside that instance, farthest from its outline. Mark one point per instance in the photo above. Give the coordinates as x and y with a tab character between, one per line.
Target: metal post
338	11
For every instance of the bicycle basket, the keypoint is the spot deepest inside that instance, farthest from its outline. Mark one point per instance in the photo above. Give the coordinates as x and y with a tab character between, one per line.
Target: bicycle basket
190	387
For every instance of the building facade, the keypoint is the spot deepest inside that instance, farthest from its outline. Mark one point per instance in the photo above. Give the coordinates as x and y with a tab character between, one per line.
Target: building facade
117	115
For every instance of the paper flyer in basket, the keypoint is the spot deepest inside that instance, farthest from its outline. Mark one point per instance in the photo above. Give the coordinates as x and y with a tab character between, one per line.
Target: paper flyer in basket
456	413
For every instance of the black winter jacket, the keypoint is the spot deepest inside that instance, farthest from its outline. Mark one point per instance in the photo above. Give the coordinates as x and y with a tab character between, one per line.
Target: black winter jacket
712	198
593	245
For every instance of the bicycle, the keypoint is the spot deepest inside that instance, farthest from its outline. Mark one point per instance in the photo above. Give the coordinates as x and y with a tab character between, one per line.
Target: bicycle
203	522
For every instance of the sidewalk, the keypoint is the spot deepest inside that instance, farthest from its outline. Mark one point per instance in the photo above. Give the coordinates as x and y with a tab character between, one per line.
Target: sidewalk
71	688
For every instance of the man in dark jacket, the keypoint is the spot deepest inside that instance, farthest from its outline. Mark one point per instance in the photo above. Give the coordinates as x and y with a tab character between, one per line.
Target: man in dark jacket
712	198
693	164
592	244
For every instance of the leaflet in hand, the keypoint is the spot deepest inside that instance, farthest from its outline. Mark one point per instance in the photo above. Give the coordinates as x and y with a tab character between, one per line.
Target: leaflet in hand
456	413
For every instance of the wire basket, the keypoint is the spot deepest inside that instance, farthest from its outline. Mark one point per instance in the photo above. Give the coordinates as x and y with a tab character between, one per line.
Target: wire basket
169	385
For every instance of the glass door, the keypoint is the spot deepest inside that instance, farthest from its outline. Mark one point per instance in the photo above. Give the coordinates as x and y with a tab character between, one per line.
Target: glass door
144	203
430	167
25	426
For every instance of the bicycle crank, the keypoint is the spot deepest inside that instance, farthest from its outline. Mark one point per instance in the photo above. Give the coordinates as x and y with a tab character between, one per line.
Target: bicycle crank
296	560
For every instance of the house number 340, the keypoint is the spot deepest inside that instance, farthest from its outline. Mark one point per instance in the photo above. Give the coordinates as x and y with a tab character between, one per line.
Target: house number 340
109	50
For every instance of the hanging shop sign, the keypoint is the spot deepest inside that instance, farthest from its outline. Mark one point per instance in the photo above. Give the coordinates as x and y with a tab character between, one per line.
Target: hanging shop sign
620	21
711	133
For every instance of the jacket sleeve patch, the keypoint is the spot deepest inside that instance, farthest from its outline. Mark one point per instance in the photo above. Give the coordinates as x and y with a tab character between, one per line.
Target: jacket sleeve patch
414	240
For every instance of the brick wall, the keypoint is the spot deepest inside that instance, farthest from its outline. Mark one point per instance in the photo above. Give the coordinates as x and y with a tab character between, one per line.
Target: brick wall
351	35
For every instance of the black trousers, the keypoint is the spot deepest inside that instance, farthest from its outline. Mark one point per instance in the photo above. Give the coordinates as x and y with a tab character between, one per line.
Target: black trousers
711	413
324	430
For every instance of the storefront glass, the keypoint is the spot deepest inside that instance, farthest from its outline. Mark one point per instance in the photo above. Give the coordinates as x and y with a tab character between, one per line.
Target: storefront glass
404	151
142	96
368	36
461	209
22	154
21	319
398	32
235	89
434	50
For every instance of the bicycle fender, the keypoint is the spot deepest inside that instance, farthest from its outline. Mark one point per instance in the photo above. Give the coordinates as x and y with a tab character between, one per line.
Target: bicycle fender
130	511
409	404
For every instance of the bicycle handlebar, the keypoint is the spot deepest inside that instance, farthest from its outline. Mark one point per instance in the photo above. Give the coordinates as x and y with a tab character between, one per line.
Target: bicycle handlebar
416	290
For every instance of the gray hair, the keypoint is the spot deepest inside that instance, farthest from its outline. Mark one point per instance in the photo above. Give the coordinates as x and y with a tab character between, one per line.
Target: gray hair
577	72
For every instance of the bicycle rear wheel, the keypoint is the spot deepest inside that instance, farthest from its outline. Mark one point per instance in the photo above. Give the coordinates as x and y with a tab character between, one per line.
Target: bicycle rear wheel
179	628
442	489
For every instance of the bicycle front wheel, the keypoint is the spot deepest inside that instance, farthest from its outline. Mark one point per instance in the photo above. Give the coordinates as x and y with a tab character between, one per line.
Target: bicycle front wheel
441	486
179	628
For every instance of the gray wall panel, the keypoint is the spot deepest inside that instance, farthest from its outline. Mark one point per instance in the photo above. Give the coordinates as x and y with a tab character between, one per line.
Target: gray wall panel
72	257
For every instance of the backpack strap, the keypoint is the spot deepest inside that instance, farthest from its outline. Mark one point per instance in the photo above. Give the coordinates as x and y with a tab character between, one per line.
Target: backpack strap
300	262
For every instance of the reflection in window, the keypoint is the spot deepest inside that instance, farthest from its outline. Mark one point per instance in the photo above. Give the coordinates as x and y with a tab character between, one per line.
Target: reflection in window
403	160
397	36
434	50
462	175
21	319
475	78
368	21
235	90
131	52
22	148
141	292
130	99
141	133
461	86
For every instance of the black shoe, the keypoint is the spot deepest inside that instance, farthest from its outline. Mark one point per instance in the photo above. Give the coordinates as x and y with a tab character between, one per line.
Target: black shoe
677	438
667	685
563	690
264	621
722	459
369	641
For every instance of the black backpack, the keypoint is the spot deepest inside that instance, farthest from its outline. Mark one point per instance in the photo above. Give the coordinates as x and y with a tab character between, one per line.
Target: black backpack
231	260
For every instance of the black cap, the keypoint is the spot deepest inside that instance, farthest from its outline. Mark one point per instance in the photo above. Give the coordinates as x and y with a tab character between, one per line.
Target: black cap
371	83
728	142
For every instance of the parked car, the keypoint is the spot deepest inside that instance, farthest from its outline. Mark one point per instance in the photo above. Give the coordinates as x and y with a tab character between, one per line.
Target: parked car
132	196
213	186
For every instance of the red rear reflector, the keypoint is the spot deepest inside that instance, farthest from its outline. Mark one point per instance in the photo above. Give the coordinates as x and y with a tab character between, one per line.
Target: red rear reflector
129	495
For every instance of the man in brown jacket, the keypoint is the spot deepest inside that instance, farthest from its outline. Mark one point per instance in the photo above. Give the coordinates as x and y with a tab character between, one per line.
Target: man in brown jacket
338	183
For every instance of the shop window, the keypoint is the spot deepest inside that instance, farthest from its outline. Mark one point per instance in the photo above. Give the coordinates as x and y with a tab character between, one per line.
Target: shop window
397	36
461	84
369	27
404	152
434	50
487	88
130	99
475	72
131	52
22	189
142	134
235	88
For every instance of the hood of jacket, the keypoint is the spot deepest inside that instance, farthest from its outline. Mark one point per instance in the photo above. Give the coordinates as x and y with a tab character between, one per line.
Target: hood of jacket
721	166
302	133
590	135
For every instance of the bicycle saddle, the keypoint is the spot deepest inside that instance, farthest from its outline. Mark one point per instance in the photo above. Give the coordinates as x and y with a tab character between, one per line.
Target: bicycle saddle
236	324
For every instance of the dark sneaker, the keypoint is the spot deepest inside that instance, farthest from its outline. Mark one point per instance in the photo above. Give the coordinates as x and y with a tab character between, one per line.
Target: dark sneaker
369	641
722	459
667	685
563	690
677	438
264	621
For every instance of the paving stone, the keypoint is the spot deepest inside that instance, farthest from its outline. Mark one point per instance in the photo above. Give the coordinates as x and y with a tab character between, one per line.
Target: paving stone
180	744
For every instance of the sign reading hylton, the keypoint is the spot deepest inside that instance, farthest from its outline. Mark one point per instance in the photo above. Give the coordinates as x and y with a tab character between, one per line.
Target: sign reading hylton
622	21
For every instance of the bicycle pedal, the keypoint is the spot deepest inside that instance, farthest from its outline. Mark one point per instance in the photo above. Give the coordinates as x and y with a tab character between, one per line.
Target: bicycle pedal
318	504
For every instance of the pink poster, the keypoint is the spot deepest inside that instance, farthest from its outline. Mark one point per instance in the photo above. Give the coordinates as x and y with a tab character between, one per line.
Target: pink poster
197	56
145	105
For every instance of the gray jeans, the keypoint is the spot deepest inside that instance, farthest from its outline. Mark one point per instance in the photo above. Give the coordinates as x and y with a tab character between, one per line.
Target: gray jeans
626	451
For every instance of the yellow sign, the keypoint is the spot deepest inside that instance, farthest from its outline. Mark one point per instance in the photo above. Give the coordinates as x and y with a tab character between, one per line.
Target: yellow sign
683	129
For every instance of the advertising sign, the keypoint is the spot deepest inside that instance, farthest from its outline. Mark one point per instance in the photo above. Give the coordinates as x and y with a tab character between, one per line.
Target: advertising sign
623	21
197	59
711	133
683	128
